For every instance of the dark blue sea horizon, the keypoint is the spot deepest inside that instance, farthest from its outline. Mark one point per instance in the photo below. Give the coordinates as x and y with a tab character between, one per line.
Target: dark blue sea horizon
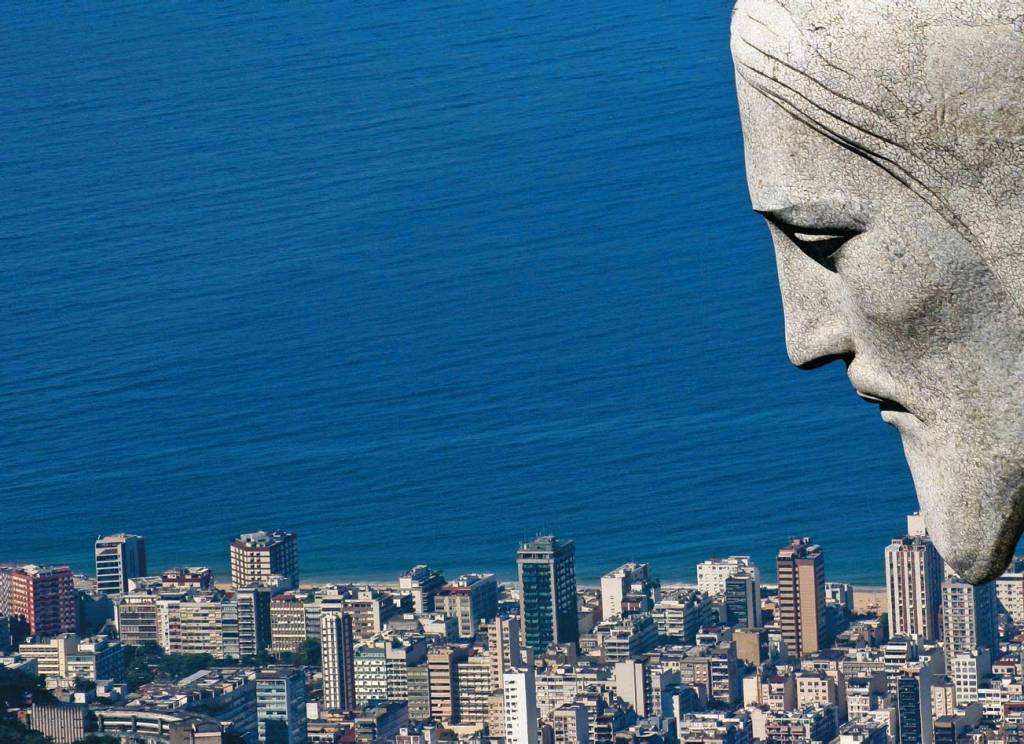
414	280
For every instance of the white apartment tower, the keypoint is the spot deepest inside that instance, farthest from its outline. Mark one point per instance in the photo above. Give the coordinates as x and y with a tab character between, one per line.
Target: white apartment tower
916	526
712	573
633	684
968	619
281	706
119	558
421	583
469	599
571	724
265	559
337	655
503	648
1010	592
913	582
619	583
521	715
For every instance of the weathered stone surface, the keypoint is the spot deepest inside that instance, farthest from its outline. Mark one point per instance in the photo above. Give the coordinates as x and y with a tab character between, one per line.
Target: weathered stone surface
885	147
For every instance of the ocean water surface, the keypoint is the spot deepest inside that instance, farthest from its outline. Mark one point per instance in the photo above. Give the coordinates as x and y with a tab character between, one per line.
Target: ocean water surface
415	280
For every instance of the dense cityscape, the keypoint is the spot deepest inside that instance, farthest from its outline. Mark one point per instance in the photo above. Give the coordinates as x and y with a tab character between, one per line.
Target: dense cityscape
177	657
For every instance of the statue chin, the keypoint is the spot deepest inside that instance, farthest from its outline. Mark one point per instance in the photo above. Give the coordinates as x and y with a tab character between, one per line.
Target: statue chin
973	507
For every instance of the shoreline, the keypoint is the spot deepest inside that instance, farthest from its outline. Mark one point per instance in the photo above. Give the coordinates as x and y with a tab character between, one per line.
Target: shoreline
320	580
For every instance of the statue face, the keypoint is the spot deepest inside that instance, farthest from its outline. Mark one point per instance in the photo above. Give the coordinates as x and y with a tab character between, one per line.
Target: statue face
901	290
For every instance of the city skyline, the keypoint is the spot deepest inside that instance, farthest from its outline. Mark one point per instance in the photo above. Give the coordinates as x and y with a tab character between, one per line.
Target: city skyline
499	663
505	571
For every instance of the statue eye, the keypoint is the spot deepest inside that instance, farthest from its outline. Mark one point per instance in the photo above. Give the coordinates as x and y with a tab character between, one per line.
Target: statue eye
822	244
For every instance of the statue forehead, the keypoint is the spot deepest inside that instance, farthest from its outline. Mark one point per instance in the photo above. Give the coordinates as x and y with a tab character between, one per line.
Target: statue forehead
927	91
789	163
937	65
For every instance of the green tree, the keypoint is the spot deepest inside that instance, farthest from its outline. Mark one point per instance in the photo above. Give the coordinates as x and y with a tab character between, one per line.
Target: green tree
308	654
176	666
14	732
18	688
139	663
99	739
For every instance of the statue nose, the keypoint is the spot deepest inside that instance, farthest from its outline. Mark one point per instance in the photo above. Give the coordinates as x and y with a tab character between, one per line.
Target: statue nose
818	328
809	349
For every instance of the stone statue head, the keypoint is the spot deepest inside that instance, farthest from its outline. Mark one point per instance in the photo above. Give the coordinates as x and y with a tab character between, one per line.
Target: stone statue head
884	144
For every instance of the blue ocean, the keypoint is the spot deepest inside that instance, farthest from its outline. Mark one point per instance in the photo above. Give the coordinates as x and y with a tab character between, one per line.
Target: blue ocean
416	280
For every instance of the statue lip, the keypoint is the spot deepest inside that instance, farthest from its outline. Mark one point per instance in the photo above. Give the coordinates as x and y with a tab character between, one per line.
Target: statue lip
885	405
871	389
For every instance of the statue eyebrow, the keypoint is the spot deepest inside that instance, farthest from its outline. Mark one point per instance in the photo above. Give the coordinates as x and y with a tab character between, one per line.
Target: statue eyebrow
850	123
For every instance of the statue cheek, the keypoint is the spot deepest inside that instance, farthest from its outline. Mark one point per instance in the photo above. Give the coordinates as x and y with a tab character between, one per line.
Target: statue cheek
916	285
891	283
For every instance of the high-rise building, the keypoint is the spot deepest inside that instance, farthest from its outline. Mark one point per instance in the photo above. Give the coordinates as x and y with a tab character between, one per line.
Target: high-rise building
916	526
372	672
743	600
338	661
235	627
6	569
633	684
897	653
547	592
418	680
913	580
968	618
815	687
253	608
193	577
712	573
503	648
382	667
521	715
370	608
95	659
65	658
137	616
751	645
119	558
442	665
199	624
914	705
474	689
265	558
800	568
288	629
818	723
281	706
570	724
710	728
51	654
1010	592
679	614
469	599
504	652
44	598
421	583
631	580
968	672
381	722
